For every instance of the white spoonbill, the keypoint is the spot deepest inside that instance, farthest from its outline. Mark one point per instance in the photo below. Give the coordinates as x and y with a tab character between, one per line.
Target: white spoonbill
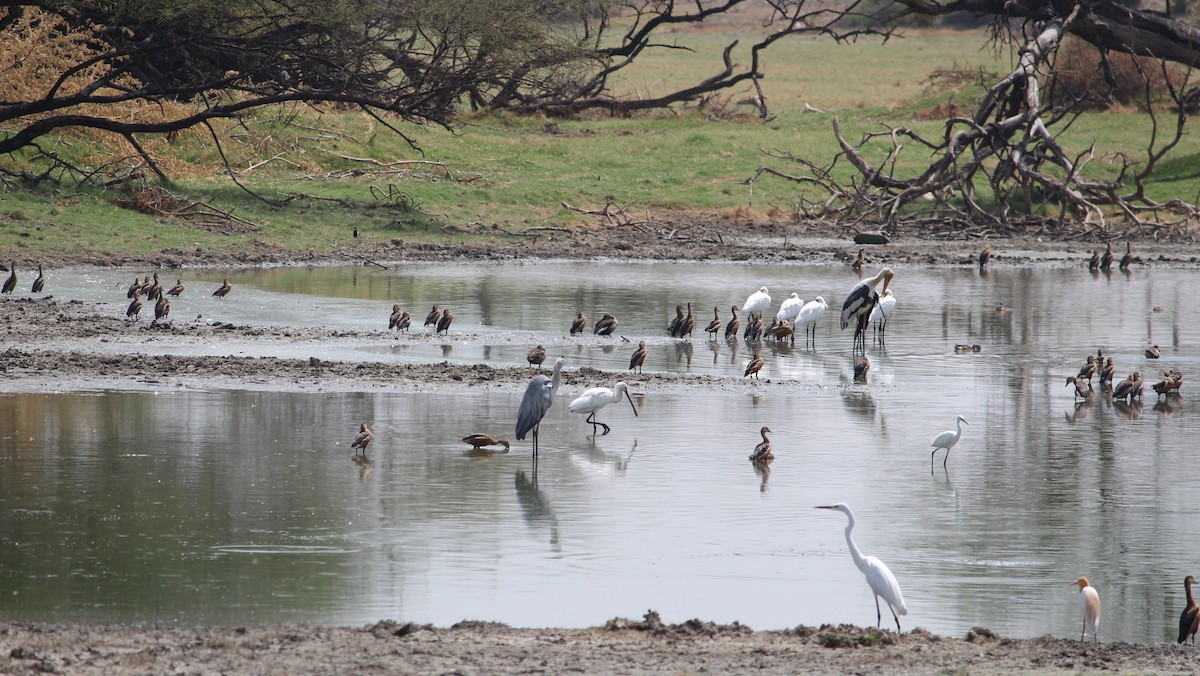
880	313
860	301
790	308
1089	599
810	314
882	582
759	301
946	440
596	398
539	394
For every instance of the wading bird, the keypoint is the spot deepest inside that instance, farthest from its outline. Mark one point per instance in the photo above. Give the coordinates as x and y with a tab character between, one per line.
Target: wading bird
674	326
155	289
1153	352
958	347
1130	388
596	398
810	314
1127	258
731	329
790	308
1082	391
882	582
162	308
39	284
362	439
689	323
432	317
605	326
443	324
880	313
1189	619
715	325
135	307
858	263
1106	258
579	324
860	301
1106	374
762	452
223	289
539	394
1090	601
1094	261
133	287
639	357
177	289
861	366
755	365
478	441
946	440
536	356
759	301
984	257
10	284
1087	370
1167	385
754	328
394	318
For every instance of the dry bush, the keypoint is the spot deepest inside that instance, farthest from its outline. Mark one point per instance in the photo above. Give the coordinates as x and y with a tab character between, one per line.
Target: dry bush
1078	76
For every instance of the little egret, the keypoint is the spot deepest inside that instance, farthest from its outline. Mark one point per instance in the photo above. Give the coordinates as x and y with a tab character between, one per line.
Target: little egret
362	439
860	301
605	326
10	284
1189	619
880	313
946	440
223	290
762	452
1090	601
596	398
39	284
579	324
639	357
882	582
759	301
715	325
790	308
478	441
539	394
810	314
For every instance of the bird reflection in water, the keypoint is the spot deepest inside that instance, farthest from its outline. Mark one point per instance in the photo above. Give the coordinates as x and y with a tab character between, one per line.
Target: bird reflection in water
535	508
716	350
1167	406
608	349
1081	410
763	469
684	352
447	348
1132	411
364	466
618	461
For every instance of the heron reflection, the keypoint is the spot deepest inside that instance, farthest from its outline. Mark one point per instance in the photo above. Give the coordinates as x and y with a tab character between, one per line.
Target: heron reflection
535	508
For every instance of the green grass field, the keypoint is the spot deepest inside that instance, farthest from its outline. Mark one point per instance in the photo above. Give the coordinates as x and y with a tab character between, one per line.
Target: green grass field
515	172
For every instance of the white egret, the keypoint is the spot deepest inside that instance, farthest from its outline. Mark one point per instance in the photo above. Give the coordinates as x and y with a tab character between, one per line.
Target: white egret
596	398
810	314
362	439
946	440
790	308
759	301
882	582
880	313
539	394
1089	599
861	300
1189	619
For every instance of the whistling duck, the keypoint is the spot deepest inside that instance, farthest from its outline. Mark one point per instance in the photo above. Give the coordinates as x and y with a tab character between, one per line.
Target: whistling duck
225	288
40	283
639	357
478	441
605	326
579	324
762	451
715	325
362	439
731	329
536	356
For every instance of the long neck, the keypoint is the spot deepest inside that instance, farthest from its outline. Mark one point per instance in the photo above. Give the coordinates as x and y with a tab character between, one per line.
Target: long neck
557	376
958	422
764	434
859	560
1187	588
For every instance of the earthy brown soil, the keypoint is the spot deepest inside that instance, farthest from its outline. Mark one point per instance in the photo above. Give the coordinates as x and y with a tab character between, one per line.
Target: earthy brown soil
72	329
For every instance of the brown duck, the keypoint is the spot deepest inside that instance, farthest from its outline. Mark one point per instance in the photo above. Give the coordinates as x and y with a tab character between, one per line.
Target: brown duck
443	324
579	324
39	284
10	284
478	441
135	307
536	356
639	357
754	366
432	317
731	329
225	288
762	452
605	326
362	439
715	325
177	289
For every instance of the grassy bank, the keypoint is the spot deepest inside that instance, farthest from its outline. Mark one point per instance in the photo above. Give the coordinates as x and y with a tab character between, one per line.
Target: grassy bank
497	173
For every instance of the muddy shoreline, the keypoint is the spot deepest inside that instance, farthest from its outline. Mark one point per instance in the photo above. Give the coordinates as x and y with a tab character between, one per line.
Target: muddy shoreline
49	344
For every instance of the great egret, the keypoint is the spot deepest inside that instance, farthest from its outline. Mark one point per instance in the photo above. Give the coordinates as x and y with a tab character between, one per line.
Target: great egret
177	289
759	301
860	301
579	323
432	317
478	441
946	440
1153	352
605	326
1189	619
539	394
810	314
715	325
536	356
790	308
596	398
1107	258
731	329
10	284
762	452
224	289
639	357
882	582
1127	258
40	283
1089	599
880	313
443	324
362	439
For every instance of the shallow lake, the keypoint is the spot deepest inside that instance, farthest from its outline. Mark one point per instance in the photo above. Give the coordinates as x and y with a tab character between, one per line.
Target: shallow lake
246	507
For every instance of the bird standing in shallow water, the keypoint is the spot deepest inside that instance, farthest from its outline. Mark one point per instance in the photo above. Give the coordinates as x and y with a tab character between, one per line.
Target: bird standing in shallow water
946	440
135	307
443	324
880	313
1127	258
133	287
731	329
11	283
536	356
639	357
859	303
759	301
1107	258
1094	261
362	439
755	365
539	394
596	398
177	289
861	366
162	308
984	257
858	263
394	318
879	576
810	314
39	284
715	325
1189	619
1087	370
762	452
1090	601
605	326
1106	374
579	324
432	317
223	289
1153	352
1081	391
674	326
480	440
